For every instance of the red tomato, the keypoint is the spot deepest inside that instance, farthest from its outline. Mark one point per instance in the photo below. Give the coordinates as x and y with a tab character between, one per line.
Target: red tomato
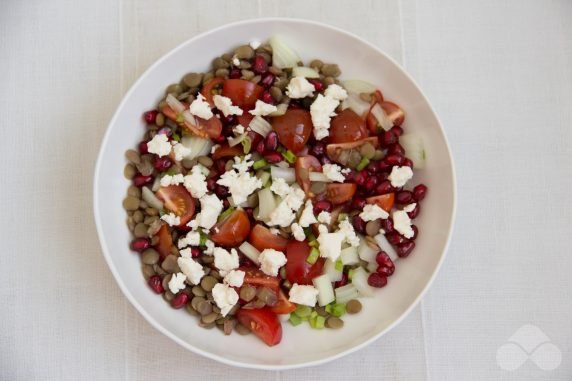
243	94
263	323
212	126
340	193
179	201
232	230
204	128
385	201
226	151
257	278
378	96
283	306
245	119
165	243
262	238
293	128
298	270
334	150
346	127
394	112
304	165
210	87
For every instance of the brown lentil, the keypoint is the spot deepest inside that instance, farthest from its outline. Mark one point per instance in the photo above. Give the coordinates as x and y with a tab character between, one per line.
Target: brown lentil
206	161
367	150
195	302
215	274
207	259
275	70
206	326
132	156
160	120
276	93
204	307
365	97
140	230
148	271
353	306
210	318
129	171
168	296
330	70
151	212
244	64
241	329
153	229
244	52
222	73
267	57
207	77
267	296
329	81
150	256
175	89
208	283
143	204
227	57
378	155
256	79
321	311
134	191
193	79
145	167
189	308
228	325
130	224
150	219
137	216
131	203
372	227
219	63
334	322
170	264
247	74
247	293
159	270
316	64
166	280
198	291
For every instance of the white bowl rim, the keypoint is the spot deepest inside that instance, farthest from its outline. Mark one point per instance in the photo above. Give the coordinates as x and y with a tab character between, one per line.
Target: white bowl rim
217	357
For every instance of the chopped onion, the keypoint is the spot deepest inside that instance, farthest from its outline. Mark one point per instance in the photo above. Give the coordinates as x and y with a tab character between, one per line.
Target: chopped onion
414	149
237	139
346	293
330	270
282	55
266	204
386	246
156	184
358	105
357	86
359	279
197	146
349	256
325	290
372	267
366	251
204	169
260	125
319	177
149	197
180	108
381	117
280	110
250	252
303	71
288	174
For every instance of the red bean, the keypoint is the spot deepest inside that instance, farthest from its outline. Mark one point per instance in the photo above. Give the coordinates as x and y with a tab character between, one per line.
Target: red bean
180	300
221	191
361	177
383	259
358	224
156	284
419	192
165	131
273	157
358	203
211	184
415	232
318	149
342	282
143	147
259	65
267	80
266	97
395	149
234	73
387	271
407	163
383	167
271	141
370	183
404	249
387	138
387	225
404	197
318	85
384	187
377	280
150	116
261	147
415	212
325	160
139	180
393	159
394	238
372	167
140	244
397	131
321	206
162	163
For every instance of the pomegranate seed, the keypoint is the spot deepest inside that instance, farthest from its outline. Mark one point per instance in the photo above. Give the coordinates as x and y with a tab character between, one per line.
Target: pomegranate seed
150	116
419	192
415	232
387	271
221	191
179	300
143	147
318	85
361	177
139	180
211	184
370	183
395	149
358	223
393	160
220	165
229	120
195	252
273	157
271	141
322	206
394	238
358	203
260	147
318	149
267	80
372	167
387	225
225	203
220	139
384	187
266	97
397	131
383	259
387	138
156	284
404	197
405	248
384	167
325	160
234	73
342	282
415	212
162	163
377	280
140	244
259	65
407	163
165	131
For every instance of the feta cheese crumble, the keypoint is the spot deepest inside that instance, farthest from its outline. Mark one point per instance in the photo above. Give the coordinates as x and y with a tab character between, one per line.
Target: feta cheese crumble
240	183
214	148
336	92
262	108
235	60
201	108
402	223
192	269
225	297
159	145
399	176
331	244
409	208
211	207
172	219
307	218
255	44
299	87
234	278
280	187
180	151
171	180
373	212
298	232
333	172
347	229
324	217
303	294
195	182
224	104
274	231
225	261
271	260
209	247
177	283
238	129
192	238
322	110
281	216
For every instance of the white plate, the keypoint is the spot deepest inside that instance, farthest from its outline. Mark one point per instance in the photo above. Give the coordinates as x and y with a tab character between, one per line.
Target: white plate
300	346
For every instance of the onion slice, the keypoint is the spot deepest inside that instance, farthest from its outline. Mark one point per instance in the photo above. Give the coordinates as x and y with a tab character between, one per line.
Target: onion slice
149	197
260	125
288	174
357	86
303	71
381	117
282	55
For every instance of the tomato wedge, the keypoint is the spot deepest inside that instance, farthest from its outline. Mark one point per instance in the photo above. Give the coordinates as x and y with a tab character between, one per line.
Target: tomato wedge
165	243
209	89
384	201
212	126
293	128
179	201
304	165
243	94
283	306
244	119
262	238
341	152
340	193
298	270
257	278
226	151
232	230
347	127
263	323
394	112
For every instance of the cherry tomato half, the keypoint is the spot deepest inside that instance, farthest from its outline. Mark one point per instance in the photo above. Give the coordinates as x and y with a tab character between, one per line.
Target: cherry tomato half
304	165
262	238
340	193
298	270
179	201
346	127
384	201
293	128
232	230
263	323
242	93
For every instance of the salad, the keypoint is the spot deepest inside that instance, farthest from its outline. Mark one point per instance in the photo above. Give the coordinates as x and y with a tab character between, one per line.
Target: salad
265	191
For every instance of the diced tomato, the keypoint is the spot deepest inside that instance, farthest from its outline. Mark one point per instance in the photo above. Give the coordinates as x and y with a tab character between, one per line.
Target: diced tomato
242	93
165	243
210	87
212	126
347	127
283	306
394	112
304	165
257	278
384	201
263	323
298	270
378	96
204	128
340	193
232	230
245	119
334	151
293	128
179	201
262	238
226	151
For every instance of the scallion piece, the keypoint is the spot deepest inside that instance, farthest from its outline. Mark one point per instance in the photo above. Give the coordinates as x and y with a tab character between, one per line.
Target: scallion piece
295	320
362	164
309	234
318	322
289	156
303	311
180	118
313	243
225	214
339	309
204	239
280	149
342	216
329	308
246	144
259	164
339	265
350	274
313	256
176	137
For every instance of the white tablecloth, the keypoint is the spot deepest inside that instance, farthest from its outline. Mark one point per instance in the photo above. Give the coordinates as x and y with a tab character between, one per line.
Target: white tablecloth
499	74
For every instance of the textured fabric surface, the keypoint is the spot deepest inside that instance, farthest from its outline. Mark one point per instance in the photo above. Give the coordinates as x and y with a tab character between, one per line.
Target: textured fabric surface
497	72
